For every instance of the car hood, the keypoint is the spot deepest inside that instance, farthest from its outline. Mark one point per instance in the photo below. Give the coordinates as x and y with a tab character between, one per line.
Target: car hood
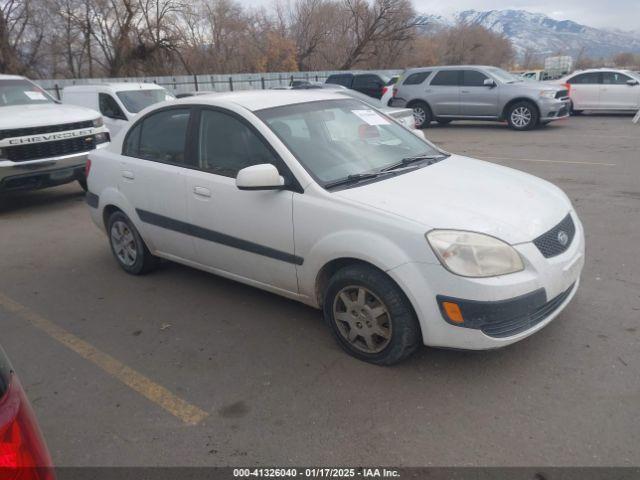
25	116
466	194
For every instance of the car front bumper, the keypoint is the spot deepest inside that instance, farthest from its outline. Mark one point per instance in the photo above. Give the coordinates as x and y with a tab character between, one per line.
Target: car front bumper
533	297
554	109
42	173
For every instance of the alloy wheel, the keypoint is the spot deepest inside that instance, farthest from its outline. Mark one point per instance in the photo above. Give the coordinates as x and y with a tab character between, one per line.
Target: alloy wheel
521	117
362	319
124	243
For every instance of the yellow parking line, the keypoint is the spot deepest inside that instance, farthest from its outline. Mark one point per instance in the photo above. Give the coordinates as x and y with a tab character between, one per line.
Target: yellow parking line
548	161
159	395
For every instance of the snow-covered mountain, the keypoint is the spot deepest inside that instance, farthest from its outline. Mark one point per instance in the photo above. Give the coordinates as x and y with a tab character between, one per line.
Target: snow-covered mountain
541	34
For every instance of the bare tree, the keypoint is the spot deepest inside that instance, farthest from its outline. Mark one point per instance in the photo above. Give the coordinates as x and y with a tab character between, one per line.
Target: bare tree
21	36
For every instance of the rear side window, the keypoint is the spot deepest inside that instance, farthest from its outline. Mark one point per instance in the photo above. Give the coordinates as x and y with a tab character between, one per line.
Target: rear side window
446	78
473	78
109	107
614	78
344	80
163	136
132	142
416	78
593	78
367	81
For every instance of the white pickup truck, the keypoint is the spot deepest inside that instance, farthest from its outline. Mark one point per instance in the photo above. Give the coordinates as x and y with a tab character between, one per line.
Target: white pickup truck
43	143
117	102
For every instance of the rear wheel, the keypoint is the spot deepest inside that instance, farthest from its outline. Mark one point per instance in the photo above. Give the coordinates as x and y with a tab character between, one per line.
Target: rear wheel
127	246
370	316
522	116
422	114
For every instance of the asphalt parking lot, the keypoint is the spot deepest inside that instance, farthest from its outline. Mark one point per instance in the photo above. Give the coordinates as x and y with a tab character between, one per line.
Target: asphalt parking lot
184	368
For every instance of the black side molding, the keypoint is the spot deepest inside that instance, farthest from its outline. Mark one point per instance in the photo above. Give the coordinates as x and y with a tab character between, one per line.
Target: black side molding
216	237
92	200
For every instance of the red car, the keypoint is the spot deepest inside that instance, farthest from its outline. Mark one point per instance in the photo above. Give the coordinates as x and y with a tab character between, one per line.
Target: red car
23	453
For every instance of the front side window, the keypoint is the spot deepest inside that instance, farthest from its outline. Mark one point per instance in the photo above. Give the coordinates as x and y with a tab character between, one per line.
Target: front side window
416	78
333	139
136	100
344	80
592	78
614	78
367	81
227	145
473	78
163	136
503	75
109	107
446	78
22	92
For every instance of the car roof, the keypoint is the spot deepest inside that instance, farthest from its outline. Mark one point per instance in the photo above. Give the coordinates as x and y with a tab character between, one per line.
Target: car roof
446	67
260	99
116	86
11	77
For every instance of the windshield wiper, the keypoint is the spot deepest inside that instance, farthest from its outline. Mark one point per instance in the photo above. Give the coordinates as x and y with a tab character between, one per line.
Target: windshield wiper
415	159
355	178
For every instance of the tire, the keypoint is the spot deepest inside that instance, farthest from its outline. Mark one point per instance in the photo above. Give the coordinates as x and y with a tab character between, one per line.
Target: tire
522	116
131	253
83	184
443	121
574	112
351	300
422	114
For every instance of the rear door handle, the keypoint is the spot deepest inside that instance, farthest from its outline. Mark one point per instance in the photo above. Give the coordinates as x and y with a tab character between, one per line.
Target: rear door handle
128	174
202	192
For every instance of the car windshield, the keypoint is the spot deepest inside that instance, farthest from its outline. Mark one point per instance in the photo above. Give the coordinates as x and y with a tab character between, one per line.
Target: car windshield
136	100
22	92
503	75
339	139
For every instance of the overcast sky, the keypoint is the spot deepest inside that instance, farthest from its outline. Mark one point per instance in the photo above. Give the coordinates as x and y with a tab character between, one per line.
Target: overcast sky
621	14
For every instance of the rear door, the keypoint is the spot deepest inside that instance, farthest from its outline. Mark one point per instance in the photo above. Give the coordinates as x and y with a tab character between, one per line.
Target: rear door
617	94
585	90
443	93
476	98
153	171
245	233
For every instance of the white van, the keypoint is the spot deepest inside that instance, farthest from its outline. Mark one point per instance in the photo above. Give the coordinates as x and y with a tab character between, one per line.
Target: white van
117	102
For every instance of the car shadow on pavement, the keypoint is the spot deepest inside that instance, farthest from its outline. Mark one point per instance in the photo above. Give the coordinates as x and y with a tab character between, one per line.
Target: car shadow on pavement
46	199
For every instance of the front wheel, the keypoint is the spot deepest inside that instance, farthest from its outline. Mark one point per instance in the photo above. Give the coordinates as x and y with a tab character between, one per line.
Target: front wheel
370	316
522	116
422	114
127	246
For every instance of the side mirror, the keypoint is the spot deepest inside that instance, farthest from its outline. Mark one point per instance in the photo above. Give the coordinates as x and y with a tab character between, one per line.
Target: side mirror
259	177
489	82
631	82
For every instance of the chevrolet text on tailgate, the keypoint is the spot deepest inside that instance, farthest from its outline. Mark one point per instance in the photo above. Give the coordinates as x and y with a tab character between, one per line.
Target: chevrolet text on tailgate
320	198
43	143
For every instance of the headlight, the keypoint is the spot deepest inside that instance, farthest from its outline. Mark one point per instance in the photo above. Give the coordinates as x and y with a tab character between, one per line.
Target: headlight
547	94
473	254
98	122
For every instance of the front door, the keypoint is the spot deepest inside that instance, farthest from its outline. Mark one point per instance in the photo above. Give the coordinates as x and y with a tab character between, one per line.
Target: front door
476	98
114	116
246	233
617	94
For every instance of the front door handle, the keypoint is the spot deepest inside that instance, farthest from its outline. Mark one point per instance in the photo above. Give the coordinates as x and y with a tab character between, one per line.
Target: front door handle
128	174
465	91
202	192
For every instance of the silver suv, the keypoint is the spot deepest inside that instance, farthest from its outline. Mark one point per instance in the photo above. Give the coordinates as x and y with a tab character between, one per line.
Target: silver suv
477	92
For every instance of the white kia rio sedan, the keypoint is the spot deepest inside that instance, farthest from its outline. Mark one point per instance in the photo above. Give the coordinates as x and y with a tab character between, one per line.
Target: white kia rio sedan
319	198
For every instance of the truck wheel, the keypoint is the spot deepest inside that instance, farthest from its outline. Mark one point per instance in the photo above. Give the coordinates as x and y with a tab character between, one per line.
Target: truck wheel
522	116
370	316
127	246
422	114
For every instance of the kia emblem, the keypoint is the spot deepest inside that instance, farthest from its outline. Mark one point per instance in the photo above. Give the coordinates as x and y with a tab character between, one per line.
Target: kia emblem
563	238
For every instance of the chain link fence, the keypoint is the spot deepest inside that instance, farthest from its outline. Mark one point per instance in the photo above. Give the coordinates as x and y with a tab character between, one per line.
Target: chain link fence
216	83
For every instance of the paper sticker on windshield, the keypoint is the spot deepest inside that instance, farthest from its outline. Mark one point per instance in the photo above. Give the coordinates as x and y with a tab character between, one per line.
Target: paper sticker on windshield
35	95
371	117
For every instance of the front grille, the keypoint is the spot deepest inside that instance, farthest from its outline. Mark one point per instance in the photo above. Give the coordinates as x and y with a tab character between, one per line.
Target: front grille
24	132
527	320
35	151
562	94
550	243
